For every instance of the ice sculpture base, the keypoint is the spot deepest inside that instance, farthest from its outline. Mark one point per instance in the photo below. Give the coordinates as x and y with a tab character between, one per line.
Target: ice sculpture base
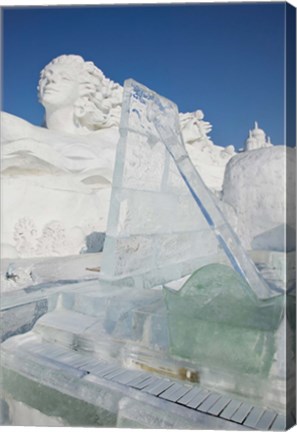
63	383
126	332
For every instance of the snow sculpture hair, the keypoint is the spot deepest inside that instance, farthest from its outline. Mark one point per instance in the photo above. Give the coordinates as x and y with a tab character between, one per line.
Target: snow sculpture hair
99	102
194	128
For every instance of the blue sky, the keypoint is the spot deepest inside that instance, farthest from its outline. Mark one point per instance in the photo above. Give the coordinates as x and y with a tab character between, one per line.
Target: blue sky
226	59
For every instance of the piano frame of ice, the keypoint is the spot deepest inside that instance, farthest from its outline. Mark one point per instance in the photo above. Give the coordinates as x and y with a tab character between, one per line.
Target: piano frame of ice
164	223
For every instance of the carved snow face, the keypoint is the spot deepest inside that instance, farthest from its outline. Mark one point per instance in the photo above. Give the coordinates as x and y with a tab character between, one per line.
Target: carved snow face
60	87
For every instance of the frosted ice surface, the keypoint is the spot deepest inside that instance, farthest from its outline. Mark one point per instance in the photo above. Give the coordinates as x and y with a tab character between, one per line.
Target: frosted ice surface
155	232
164	222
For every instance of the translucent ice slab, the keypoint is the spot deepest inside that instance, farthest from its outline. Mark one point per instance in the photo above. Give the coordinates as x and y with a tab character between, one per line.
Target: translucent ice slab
166	122
164	222
155	233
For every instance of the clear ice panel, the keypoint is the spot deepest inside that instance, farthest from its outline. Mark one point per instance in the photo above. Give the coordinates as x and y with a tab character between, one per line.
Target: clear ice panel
214	323
163	220
142	212
155	232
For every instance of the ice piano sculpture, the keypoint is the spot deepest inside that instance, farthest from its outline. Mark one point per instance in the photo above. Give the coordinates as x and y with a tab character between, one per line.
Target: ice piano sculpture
183	331
165	224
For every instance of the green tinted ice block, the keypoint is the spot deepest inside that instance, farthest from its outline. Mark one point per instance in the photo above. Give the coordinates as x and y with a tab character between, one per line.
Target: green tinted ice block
213	322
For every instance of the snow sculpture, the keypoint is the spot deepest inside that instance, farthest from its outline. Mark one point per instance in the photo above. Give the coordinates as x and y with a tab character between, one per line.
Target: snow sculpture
257	139
252	182
47	171
25	236
78	100
194	129
77	96
155	231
